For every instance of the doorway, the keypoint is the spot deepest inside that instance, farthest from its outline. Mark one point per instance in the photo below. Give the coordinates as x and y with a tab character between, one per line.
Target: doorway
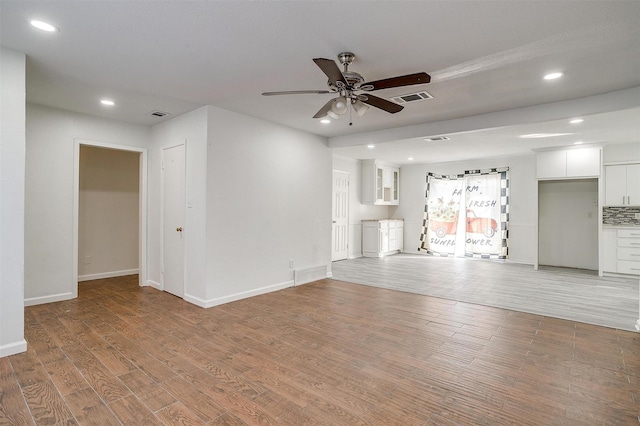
568	223
103	242
340	216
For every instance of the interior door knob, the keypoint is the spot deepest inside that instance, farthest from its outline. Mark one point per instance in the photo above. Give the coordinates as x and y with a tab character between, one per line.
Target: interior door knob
179	229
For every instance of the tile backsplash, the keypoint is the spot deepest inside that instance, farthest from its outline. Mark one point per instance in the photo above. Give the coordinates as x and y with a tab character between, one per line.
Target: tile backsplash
620	215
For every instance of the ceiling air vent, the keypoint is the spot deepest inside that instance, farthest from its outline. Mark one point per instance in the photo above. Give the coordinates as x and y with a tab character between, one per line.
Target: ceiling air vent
412	97
158	114
437	138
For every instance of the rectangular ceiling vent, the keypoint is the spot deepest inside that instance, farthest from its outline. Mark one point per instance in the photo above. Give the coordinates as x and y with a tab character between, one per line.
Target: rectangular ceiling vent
158	114
437	138
412	97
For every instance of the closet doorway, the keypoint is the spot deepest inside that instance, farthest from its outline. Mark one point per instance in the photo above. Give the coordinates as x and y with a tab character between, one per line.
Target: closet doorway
110	211
568	223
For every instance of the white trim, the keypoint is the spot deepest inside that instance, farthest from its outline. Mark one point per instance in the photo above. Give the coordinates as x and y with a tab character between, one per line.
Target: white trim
154	284
52	298
620	163
638	325
112	274
13	348
143	214
237	296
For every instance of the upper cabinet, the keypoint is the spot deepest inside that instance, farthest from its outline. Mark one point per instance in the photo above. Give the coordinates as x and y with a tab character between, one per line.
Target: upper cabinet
622	185
569	163
380	183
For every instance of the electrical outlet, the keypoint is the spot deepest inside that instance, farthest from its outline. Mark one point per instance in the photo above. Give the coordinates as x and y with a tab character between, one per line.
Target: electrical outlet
290	263
637	216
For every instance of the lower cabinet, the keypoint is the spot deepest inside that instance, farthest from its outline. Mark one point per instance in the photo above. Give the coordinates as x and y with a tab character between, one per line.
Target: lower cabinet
382	237
621	251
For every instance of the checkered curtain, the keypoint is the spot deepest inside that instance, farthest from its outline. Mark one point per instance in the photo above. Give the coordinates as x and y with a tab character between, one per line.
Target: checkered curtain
441	214
487	211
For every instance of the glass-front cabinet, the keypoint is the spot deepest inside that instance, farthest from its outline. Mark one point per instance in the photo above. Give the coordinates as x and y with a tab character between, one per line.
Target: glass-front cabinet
380	183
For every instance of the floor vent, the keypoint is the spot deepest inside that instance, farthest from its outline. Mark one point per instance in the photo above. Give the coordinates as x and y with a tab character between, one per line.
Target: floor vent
412	97
158	114
304	276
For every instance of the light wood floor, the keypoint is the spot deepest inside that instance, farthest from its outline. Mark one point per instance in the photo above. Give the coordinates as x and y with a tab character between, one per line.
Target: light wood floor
328	352
574	294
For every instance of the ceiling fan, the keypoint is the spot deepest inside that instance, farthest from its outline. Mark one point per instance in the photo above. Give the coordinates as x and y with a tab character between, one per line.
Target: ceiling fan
349	85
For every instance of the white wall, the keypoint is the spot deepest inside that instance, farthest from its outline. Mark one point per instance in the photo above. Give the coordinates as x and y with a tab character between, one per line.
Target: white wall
108	223
268	201
49	233
523	207
189	129
12	167
357	211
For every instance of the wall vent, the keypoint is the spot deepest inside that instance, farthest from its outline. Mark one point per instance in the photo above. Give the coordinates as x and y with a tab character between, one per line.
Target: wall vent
304	276
436	138
158	114
412	97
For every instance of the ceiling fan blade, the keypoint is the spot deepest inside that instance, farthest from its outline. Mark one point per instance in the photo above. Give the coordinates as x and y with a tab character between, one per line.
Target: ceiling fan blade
404	80
323	111
383	104
297	92
330	68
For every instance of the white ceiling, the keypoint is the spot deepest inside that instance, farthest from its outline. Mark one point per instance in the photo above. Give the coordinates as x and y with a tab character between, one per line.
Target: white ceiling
485	57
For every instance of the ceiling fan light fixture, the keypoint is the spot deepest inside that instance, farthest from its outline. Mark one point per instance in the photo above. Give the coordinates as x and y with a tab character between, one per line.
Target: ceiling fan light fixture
339	106
360	107
333	115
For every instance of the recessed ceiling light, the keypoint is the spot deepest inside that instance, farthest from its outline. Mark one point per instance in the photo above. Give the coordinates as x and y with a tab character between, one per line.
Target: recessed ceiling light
543	135
325	121
410	158
107	102
578	143
370	146
576	121
553	75
44	26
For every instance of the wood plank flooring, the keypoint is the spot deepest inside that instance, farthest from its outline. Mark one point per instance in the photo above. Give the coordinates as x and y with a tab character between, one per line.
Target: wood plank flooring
573	294
329	352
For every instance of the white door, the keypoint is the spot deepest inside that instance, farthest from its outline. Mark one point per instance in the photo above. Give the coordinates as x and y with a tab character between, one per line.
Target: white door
173	207
340	208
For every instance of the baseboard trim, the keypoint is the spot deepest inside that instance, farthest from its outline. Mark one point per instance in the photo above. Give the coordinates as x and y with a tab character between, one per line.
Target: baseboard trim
638	325
237	296
112	274
48	299
154	284
13	348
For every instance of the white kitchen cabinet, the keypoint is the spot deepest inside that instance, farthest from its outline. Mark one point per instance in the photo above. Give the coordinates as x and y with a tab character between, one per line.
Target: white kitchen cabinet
551	164
622	185
609	243
621	250
380	183
382	237
569	163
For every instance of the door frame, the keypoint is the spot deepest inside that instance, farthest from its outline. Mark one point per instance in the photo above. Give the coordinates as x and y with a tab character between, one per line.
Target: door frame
185	234
348	236
142	221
